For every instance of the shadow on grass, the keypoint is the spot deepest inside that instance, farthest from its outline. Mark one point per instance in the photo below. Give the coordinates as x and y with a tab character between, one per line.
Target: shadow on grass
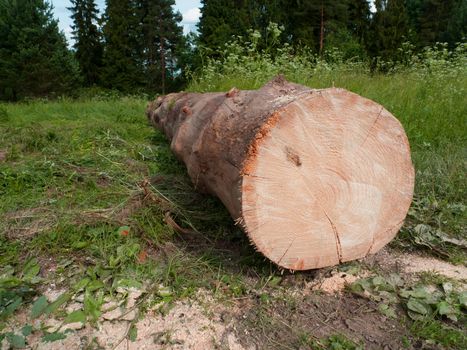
209	232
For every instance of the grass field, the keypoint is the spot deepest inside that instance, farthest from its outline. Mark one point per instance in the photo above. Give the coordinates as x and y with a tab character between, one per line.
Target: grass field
87	189
427	95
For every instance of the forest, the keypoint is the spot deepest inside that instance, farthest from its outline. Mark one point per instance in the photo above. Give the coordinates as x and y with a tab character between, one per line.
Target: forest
139	45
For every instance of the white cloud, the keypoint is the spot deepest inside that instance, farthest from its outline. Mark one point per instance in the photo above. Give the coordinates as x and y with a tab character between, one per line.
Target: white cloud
191	16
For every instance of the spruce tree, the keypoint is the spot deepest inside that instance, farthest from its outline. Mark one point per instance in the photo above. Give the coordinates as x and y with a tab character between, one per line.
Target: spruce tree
263	12
34	58
221	20
161	42
142	43
359	18
312	21
122	68
456	31
88	46
389	28
414	10
442	21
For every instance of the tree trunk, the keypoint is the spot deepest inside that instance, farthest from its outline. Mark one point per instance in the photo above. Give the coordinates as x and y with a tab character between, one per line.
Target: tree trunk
163	65
162	52
314	177
321	31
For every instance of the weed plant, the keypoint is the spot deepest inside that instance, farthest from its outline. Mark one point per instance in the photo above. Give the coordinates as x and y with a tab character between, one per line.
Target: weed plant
425	91
88	188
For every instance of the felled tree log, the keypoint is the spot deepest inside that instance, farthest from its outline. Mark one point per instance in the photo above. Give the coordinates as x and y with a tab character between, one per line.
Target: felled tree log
314	177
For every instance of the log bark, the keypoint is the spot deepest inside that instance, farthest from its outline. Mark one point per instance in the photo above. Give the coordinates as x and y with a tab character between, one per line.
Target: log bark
314	177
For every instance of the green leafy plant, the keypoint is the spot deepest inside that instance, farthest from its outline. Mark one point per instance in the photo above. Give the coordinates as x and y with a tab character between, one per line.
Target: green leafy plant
17	287
420	301
4	117
333	342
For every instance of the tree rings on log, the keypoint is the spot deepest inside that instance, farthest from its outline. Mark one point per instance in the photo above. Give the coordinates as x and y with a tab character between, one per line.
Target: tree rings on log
314	177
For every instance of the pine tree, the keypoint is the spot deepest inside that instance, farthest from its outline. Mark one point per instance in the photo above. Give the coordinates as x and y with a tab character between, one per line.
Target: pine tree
389	28
122	67
161	42
359	18
222	19
312	21
87	38
34	58
263	12
442	21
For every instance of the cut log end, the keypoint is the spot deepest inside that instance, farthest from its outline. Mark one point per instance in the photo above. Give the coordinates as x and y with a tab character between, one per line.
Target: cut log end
315	177
328	179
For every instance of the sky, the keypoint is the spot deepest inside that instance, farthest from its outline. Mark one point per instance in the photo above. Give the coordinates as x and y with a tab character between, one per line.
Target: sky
188	8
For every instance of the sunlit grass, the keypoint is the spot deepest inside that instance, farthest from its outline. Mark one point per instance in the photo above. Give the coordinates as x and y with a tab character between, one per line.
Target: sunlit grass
427	97
75	174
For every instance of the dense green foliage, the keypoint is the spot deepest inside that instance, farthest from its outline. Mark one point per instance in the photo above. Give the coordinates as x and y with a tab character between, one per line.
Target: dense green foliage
138	45
92	198
121	62
389	28
88	41
34	59
437	21
343	24
142	42
220	20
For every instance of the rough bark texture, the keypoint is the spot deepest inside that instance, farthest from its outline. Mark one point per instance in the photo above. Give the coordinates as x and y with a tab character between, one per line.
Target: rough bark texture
315	177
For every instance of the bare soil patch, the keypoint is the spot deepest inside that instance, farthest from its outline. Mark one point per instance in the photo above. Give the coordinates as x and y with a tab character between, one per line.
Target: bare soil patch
305	307
286	323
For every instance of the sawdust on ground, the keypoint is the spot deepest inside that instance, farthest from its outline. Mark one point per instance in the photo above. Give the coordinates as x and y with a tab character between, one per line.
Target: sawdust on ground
413	263
335	283
404	263
189	324
199	323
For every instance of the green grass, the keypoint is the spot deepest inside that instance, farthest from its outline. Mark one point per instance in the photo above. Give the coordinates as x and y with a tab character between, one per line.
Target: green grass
75	174
333	342
436	333
429	100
